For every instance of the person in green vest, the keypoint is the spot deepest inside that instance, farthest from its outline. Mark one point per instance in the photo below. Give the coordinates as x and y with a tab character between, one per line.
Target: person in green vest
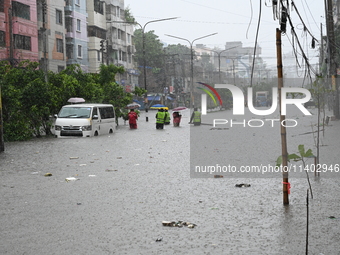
196	117
160	116
167	117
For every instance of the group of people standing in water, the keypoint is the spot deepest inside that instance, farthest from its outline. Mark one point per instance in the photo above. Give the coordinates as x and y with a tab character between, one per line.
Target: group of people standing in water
163	118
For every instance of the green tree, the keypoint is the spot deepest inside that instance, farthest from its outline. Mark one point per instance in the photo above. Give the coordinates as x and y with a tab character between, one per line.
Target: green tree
128	15
153	49
14	79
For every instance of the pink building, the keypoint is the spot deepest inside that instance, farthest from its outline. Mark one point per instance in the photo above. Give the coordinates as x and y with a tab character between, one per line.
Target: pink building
18	30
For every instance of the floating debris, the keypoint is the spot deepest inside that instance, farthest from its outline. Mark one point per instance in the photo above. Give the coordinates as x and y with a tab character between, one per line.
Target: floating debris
47	174
178	224
218	176
159	239
242	185
69	179
111	170
82	165
332	217
74	157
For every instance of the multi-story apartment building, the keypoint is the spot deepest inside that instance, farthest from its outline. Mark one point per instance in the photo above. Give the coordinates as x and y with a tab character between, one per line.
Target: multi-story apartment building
76	33
119	43
18	30
64	32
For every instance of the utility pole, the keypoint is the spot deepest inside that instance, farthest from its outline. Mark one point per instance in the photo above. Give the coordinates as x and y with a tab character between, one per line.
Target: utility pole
45	64
282	120
107	52
11	41
2	144
331	56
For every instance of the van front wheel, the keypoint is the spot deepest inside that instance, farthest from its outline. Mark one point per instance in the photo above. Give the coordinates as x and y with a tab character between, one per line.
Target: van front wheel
96	133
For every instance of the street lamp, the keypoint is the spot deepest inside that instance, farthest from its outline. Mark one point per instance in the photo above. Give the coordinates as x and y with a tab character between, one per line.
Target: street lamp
219	60
192	62
144	59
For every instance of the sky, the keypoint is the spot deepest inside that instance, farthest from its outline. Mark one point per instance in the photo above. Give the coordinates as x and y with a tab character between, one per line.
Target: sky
235	20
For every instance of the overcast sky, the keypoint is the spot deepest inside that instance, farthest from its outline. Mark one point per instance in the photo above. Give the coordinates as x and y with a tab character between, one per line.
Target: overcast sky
233	21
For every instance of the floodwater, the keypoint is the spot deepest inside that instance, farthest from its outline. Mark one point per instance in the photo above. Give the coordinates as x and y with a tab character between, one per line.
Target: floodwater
128	182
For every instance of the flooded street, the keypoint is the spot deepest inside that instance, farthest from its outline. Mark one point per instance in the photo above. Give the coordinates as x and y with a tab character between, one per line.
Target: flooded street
125	184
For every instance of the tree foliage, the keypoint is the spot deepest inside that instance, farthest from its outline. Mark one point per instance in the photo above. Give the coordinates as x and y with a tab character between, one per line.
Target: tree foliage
29	102
152	46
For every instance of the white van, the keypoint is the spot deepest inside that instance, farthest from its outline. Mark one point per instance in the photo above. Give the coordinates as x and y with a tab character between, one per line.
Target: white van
85	120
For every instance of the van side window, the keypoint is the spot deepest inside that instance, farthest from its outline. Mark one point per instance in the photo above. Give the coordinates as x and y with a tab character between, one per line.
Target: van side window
94	112
106	112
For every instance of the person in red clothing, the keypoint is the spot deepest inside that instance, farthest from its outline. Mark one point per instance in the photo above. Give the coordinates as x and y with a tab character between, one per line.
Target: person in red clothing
133	117
176	118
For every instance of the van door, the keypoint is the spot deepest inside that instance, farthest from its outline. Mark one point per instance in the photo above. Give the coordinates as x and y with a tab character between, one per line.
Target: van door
107	117
95	122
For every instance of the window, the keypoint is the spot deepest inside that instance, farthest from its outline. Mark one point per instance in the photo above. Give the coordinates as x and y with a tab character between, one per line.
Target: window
99	6
98	55
21	10
78	25
22	42
2	5
79	51
106	112
59	15
68	24
60	46
77	2
60	68
94	111
69	51
2	39
96	32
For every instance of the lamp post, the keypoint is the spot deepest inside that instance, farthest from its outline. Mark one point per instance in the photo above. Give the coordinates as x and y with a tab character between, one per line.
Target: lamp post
192	62
144	59
219	60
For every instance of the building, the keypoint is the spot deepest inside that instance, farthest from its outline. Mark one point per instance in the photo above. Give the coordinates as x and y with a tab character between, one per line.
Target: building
76	33
64	32
18	30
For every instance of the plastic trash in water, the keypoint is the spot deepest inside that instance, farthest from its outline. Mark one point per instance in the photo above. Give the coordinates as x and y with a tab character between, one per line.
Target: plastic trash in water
69	179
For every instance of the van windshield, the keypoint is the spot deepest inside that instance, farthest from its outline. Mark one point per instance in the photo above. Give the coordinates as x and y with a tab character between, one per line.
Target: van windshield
75	112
